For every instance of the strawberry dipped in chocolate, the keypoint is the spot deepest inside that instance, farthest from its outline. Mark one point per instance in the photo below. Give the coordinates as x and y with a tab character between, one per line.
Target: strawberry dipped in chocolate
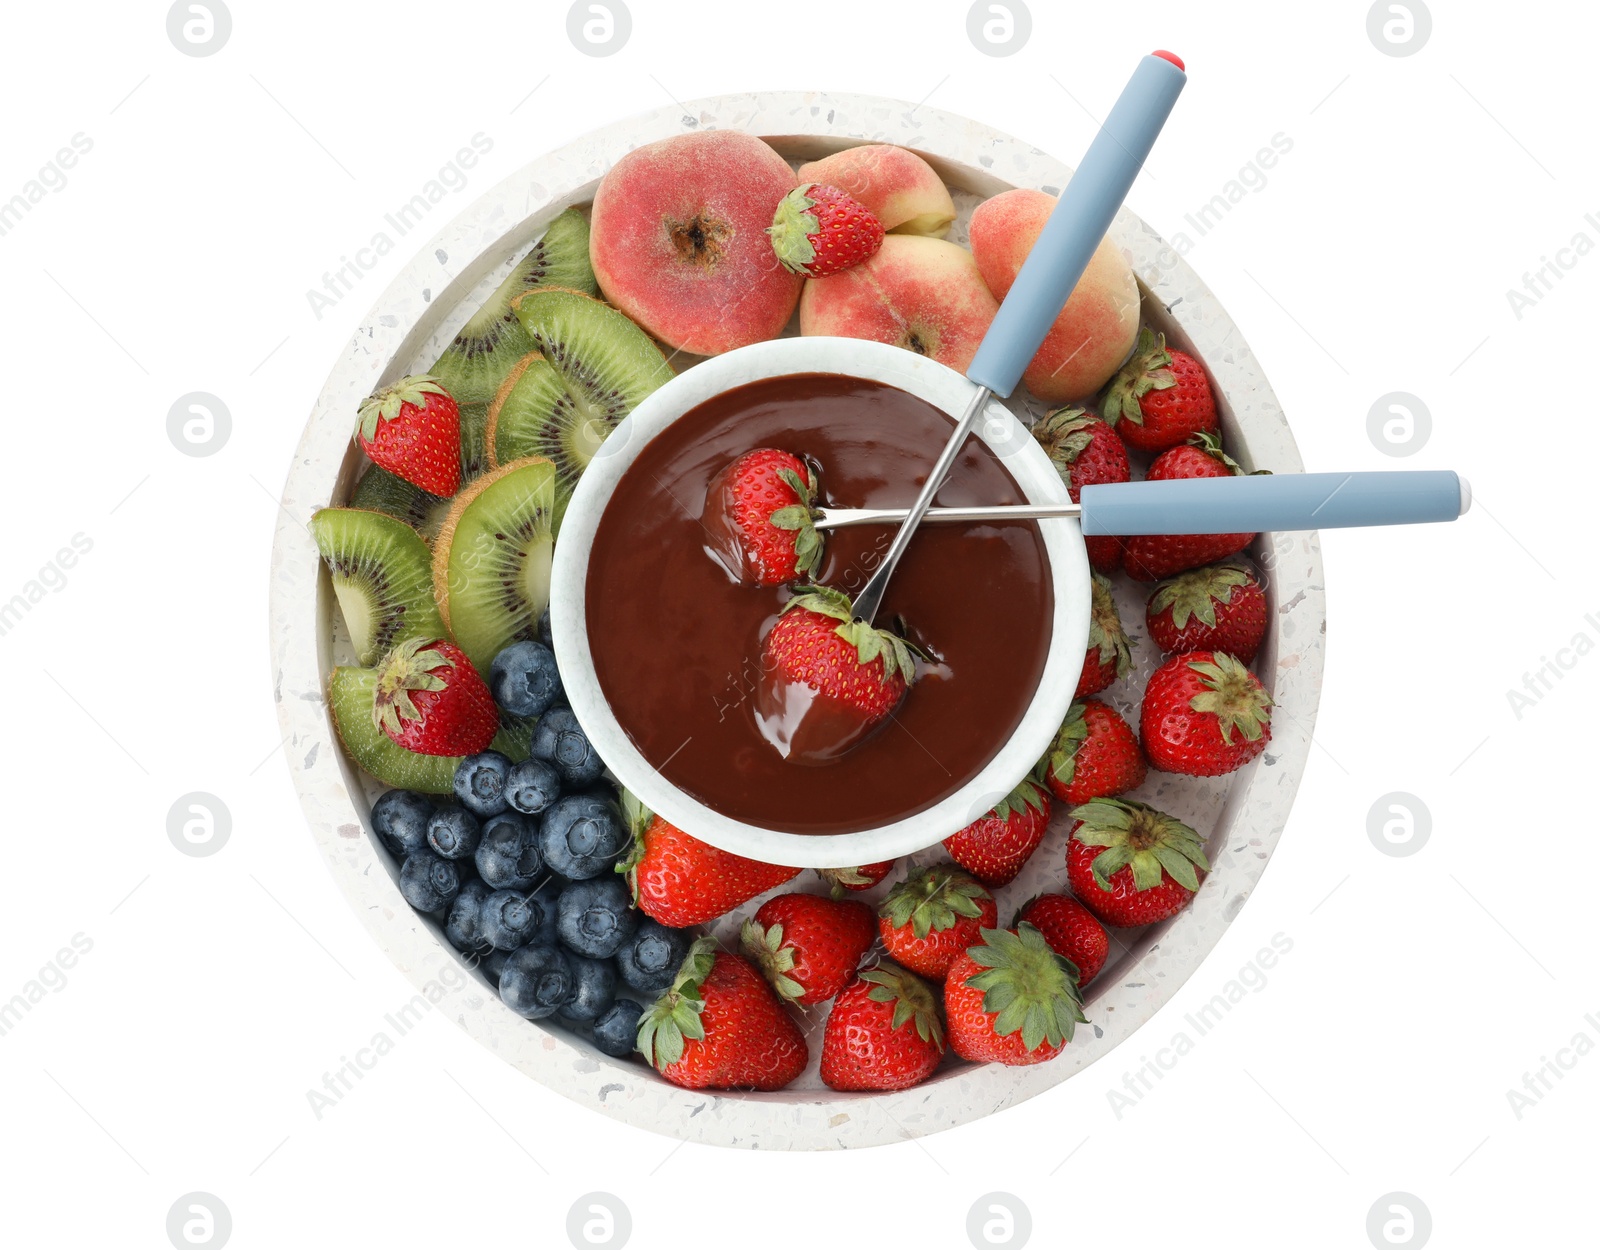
827	679
759	516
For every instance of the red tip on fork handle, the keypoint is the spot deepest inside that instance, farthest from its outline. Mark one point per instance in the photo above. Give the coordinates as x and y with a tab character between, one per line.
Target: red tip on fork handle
1171	56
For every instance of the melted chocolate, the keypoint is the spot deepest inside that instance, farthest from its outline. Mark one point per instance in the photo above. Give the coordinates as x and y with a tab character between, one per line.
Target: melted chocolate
676	638
803	725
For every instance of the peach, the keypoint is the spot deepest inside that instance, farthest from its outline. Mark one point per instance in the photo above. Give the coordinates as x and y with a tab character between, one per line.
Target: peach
898	186
678	239
922	294
1095	331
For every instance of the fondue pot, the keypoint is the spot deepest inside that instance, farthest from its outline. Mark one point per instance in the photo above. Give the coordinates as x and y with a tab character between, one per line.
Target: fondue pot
1218	505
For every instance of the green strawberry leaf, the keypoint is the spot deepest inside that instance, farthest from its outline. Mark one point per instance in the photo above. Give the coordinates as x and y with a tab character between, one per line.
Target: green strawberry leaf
1197	593
1141	838
914	1002
1233	695
1147	370
1026	986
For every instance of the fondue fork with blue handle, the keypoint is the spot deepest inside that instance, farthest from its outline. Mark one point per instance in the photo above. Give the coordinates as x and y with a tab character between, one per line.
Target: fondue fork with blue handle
1069	238
1219	505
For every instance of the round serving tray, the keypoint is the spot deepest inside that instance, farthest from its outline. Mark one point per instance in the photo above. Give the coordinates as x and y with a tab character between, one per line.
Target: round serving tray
1241	816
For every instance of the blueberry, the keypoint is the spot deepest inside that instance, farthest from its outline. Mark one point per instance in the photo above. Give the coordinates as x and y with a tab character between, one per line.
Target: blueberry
649	960
512	919
560	740
427	881
508	855
533	786
463	925
454	832
597	986
400	818
581	835
524	680
616	1032
595	918
480	783
544	629
537	981
492	964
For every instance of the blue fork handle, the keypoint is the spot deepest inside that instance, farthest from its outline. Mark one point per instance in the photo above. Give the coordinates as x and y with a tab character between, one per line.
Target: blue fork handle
1076	225
1291	501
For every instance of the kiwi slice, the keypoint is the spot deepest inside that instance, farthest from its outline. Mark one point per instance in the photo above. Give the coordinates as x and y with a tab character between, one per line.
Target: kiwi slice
515	737
536	415
592	366
491	561
350	698
475	459
381	491
382	575
476	362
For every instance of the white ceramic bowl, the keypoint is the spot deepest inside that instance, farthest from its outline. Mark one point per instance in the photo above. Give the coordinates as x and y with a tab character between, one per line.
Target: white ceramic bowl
943	388
1241	816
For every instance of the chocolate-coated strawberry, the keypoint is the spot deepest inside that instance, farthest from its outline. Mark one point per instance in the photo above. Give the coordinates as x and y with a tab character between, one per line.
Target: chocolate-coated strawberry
861	671
761	509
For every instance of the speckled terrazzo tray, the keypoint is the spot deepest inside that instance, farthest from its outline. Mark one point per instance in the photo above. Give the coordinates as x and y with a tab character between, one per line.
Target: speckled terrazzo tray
1241	816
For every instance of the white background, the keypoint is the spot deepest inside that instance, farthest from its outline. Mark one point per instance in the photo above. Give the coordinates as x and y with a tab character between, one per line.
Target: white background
1377	258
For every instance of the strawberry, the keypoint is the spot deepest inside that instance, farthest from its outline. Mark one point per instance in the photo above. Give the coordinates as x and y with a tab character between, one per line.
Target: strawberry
862	878
932	916
762	504
1108	657
431	700
1161	397
721	1027
1204	714
818	643
883	1032
413	429
1130	864
1072	931
818	230
679	880
808	946
1094	754
1152	556
1086	452
1218	608
994	847
1011	999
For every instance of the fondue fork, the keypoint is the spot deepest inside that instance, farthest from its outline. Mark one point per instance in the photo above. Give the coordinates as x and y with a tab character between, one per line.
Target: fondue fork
1075	227
1218	505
